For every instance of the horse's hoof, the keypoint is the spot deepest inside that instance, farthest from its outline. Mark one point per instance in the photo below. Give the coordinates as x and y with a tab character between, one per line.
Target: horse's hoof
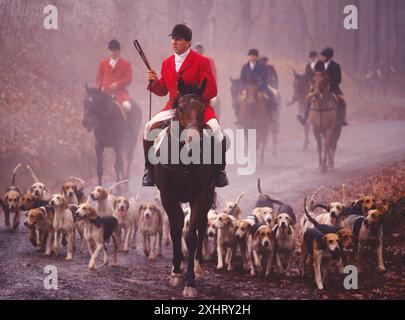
190	292
197	269
175	279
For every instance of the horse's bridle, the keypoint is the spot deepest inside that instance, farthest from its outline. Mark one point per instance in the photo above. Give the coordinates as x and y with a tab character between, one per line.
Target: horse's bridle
180	109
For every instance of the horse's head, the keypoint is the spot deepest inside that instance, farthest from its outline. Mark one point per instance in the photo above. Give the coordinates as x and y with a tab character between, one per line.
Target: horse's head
300	84
190	109
94	105
252	93
320	83
235	88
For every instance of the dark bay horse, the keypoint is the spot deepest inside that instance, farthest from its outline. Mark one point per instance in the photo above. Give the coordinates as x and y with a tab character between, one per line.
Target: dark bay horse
113	128
253	115
300	92
193	183
326	120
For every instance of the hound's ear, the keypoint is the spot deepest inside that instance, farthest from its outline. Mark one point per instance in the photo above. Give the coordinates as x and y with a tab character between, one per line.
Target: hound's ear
276	220
115	204
181	85
93	212
140	208
323	240
63	190
126	204
47	189
203	86
328	207
357	205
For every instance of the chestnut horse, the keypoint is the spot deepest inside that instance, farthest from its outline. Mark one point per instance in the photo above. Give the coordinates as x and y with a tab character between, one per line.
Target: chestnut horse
180	183
325	120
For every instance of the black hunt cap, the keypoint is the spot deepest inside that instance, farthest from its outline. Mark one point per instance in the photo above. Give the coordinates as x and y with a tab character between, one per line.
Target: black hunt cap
114	45
253	52
312	54
327	52
181	31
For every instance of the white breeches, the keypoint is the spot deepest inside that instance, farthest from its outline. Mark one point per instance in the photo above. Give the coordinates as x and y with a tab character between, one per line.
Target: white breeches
168	114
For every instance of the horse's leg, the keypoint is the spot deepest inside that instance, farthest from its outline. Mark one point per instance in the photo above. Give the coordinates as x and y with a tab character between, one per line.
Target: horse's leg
202	228
306	134
325	150
275	142
130	156
176	221
199	209
119	163
319	145
99	156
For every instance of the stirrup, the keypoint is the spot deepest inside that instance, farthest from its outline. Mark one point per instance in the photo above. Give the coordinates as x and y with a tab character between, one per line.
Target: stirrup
221	179
148	180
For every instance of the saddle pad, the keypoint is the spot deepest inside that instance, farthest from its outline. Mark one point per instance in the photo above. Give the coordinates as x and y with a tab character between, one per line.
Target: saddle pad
158	141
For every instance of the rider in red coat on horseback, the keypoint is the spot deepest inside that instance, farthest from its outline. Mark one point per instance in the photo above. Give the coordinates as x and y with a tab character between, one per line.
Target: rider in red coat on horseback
193	68
115	75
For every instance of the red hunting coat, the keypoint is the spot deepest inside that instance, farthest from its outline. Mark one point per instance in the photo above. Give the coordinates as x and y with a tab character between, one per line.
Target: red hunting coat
121	74
194	70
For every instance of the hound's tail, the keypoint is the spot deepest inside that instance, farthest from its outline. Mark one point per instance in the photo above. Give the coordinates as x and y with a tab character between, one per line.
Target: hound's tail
116	184
32	173
239	197
309	217
14	172
80	180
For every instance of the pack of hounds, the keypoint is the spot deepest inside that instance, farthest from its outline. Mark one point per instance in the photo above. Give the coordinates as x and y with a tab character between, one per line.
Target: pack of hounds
266	238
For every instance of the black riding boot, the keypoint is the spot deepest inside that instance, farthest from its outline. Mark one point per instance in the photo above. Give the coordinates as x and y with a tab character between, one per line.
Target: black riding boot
343	106
221	178
148	179
301	119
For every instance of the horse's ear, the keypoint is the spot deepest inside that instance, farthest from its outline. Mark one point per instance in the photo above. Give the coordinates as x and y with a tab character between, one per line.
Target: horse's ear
181	85
203	86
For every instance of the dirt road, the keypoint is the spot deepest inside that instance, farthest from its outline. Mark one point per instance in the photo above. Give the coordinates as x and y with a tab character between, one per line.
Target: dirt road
287	176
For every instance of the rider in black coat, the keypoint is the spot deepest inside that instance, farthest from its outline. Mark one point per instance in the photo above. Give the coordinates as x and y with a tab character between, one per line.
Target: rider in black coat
334	75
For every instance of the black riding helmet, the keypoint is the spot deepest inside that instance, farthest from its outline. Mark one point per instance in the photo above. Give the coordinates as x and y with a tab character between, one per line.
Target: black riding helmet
114	45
